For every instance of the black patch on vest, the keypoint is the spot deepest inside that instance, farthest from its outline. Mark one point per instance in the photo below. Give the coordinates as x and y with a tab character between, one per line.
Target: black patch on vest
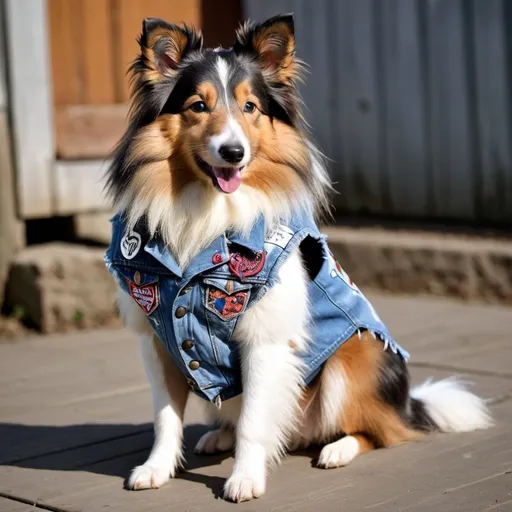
313	256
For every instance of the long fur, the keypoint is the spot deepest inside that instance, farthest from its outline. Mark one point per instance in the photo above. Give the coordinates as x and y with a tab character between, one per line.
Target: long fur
187	101
451	406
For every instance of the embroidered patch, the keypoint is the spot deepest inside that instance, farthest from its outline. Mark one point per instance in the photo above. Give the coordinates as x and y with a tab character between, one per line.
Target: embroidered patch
243	266
130	244
226	306
145	296
337	271
279	235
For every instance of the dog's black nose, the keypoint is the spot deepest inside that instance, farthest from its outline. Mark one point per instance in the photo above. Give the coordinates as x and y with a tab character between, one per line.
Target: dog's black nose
232	153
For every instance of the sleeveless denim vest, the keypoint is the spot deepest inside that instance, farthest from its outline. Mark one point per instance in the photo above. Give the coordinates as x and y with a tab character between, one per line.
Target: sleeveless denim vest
194	311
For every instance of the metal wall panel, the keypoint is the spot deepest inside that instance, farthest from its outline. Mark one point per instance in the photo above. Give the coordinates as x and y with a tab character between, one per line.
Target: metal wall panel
411	100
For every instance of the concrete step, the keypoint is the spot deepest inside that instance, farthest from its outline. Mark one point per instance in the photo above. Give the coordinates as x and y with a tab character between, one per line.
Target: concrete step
62	286
458	266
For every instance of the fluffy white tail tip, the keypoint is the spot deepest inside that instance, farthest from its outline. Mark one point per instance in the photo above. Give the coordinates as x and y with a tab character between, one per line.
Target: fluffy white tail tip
453	408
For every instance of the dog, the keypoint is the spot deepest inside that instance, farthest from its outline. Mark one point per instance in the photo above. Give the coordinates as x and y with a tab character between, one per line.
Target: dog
228	282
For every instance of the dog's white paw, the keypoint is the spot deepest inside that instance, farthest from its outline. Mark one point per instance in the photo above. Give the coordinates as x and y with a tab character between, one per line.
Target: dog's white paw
338	454
243	487
215	441
148	477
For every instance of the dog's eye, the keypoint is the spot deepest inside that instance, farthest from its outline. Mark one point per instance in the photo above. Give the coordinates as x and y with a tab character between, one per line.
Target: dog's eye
249	107
198	106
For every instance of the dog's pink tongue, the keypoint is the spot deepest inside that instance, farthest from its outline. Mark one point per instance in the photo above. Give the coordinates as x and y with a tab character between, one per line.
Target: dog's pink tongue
228	178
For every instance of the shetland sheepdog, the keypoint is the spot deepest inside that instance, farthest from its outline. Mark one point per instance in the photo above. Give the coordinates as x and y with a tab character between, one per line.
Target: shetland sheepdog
216	143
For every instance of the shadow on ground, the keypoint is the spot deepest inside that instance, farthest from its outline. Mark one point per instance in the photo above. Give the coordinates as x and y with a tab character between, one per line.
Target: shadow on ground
89	447
105	449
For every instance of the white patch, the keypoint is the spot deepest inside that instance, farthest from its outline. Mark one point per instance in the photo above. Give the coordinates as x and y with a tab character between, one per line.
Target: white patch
248	479
147	477
216	441
232	132
279	235
333	393
452	406
223	70
130	244
339	453
166	453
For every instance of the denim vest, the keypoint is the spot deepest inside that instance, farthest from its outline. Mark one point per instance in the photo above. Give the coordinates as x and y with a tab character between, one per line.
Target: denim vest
194	311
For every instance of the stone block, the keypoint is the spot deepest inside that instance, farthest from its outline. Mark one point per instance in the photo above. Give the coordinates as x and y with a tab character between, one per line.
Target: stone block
62	286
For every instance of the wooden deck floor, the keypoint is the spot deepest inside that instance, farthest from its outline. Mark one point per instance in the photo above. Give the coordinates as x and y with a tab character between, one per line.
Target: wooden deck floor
75	414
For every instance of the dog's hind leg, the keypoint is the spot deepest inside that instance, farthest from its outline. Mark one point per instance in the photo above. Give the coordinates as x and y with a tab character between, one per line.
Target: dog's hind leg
219	440
354	394
343	451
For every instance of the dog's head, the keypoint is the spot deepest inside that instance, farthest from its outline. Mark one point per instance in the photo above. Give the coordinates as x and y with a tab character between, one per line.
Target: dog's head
229	120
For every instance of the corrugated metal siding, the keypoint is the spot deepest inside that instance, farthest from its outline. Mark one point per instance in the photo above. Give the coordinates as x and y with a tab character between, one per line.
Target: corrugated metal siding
411	99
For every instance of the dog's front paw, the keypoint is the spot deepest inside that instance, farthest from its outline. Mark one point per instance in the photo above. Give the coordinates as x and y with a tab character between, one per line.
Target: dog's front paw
147	477
241	487
215	441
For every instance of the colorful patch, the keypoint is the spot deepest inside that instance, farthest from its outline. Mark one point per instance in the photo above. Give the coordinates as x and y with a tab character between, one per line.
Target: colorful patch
130	244
337	271
145	296
243	266
226	306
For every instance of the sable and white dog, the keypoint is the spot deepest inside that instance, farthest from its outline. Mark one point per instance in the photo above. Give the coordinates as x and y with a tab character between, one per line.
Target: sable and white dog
215	145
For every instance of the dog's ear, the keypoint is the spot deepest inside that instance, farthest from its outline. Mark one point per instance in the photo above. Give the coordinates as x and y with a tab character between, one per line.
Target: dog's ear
163	46
272	43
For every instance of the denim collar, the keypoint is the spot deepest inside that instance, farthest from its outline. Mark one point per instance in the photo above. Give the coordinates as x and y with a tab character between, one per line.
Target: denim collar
216	254
254	241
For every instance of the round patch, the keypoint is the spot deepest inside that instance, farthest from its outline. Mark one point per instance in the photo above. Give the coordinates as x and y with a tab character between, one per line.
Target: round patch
130	245
245	266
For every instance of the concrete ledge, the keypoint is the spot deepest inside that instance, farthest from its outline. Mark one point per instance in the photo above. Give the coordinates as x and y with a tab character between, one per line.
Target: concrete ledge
468	268
62	286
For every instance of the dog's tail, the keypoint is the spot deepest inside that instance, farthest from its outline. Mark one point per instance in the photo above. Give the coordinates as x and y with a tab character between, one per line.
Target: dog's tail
448	406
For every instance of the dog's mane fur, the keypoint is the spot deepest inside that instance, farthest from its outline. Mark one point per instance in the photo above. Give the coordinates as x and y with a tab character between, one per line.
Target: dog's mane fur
189	220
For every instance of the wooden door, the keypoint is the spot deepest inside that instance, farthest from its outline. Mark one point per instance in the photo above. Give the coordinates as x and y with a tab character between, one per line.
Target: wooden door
92	43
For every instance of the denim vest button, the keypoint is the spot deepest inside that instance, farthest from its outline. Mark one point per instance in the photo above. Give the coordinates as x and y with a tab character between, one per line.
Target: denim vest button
181	312
217	258
187	344
194	365
136	277
185	290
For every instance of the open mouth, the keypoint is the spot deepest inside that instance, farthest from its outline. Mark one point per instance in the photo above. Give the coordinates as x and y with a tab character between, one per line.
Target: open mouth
228	179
